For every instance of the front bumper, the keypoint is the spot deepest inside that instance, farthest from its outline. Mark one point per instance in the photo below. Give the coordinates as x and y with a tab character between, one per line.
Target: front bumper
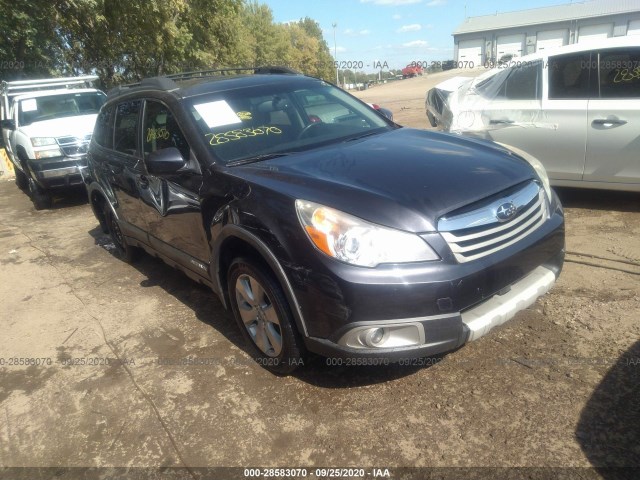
443	333
57	172
443	305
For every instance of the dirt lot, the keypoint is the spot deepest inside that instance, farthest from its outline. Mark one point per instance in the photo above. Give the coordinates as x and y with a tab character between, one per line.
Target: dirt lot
558	386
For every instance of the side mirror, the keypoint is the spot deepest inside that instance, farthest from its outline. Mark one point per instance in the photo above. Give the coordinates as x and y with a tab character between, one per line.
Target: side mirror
9	124
167	160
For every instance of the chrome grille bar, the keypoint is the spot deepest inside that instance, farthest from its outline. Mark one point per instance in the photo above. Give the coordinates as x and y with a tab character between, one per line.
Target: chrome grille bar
478	233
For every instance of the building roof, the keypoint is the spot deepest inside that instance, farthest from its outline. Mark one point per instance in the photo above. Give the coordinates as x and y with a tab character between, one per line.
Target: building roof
558	13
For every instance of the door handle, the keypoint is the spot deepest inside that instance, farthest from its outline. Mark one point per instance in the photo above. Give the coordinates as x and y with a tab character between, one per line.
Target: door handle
608	122
143	181
500	122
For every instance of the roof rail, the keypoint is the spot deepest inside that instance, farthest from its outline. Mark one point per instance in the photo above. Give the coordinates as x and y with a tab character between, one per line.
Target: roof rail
226	71
46	83
168	82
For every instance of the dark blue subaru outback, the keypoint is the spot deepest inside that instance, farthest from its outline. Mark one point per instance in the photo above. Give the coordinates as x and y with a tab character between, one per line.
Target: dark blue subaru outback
321	224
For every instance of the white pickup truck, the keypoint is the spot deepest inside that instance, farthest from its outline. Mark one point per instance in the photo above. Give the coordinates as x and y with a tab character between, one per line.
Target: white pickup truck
46	129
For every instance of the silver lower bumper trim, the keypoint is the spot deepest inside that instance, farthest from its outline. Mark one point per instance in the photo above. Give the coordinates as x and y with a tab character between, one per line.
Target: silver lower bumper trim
58	172
500	308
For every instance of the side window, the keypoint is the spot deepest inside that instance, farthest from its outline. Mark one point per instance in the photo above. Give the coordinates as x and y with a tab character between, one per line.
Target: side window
620	73
519	82
524	82
161	130
569	76
125	138
103	131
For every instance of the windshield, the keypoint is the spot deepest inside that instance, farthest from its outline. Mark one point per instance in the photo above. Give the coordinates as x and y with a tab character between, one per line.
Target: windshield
262	120
58	106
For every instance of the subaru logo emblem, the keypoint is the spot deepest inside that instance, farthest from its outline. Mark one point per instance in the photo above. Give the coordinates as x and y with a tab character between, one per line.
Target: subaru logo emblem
506	211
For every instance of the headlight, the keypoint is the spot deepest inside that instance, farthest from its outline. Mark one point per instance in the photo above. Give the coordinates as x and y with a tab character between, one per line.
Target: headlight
358	242
42	141
536	164
54	152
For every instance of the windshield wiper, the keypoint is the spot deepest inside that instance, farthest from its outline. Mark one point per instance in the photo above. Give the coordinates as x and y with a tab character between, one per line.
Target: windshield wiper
256	158
368	134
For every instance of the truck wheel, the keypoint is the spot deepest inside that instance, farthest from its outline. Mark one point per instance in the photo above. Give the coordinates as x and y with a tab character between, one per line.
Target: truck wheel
432	119
263	315
21	179
123	250
41	198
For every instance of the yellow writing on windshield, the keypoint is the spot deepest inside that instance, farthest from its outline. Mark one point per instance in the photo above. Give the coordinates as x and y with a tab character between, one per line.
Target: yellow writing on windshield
216	139
244	115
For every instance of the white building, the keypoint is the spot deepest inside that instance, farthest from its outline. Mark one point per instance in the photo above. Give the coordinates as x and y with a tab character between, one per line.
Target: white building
490	37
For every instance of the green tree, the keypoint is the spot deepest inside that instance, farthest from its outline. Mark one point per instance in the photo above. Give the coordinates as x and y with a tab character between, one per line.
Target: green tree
324	60
265	42
125	40
29	46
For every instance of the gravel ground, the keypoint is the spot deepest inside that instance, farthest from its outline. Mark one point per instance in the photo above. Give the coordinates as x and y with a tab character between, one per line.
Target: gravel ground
557	386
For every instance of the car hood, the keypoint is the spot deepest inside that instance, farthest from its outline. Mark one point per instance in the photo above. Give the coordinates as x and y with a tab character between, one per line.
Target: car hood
77	126
404	178
453	84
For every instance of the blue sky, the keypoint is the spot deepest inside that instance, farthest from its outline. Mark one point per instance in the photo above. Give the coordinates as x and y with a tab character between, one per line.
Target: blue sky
393	31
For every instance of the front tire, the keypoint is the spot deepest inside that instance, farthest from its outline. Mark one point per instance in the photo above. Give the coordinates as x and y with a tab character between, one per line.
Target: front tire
264	317
41	198
123	250
432	119
21	179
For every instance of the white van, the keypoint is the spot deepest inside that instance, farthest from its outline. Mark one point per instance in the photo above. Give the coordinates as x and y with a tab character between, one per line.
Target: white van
575	108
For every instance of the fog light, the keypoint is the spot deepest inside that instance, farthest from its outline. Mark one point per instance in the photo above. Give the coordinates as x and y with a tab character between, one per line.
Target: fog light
394	335
375	336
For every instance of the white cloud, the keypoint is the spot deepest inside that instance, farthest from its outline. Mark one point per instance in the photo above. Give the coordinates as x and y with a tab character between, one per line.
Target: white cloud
397	16
350	32
391	2
436	3
414	27
340	49
416	43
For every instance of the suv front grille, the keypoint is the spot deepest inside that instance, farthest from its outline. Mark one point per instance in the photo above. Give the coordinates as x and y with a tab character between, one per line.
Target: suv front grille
478	232
74	146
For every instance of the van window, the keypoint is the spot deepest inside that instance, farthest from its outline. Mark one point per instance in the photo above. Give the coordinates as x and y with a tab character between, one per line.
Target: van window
569	76
620	73
524	82
519	82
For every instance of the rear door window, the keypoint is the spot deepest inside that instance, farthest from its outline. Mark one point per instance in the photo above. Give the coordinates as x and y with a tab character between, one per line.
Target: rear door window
125	138
103	131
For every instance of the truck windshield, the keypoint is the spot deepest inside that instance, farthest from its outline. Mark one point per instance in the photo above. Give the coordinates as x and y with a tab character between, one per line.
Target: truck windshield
275	119
49	107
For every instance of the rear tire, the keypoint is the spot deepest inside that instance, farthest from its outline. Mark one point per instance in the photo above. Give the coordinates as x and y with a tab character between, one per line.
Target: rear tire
123	250
41	198
264	317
